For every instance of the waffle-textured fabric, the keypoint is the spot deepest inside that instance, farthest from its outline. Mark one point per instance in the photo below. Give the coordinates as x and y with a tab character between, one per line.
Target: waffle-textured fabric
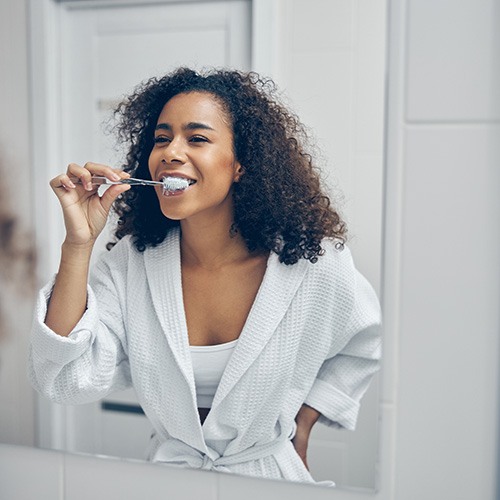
312	336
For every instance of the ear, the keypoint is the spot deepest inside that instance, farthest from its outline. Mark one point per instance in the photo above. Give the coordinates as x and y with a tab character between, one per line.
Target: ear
239	171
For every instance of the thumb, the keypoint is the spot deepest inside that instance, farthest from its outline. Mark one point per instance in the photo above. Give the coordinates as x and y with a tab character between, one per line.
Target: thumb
111	194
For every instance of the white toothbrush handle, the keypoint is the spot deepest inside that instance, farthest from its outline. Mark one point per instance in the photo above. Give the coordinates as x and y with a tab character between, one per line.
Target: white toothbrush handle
98	180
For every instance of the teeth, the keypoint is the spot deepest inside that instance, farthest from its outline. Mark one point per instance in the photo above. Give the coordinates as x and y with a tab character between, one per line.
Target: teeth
176	183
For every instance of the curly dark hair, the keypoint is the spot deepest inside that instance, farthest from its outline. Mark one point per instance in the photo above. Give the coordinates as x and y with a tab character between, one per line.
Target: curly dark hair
278	203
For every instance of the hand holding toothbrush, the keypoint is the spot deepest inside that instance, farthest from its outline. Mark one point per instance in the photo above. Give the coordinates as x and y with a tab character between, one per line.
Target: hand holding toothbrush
85	212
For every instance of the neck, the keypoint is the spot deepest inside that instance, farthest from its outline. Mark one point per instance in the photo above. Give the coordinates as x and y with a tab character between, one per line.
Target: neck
211	245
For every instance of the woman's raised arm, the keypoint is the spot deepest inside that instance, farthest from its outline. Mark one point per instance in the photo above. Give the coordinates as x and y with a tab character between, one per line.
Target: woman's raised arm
85	214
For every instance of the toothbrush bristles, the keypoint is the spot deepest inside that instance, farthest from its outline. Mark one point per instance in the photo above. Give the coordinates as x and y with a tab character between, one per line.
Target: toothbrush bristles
174	183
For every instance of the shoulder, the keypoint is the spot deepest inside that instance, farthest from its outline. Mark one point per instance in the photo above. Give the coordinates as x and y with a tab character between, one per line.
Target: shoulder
350	285
333	279
118	259
336	262
336	283
122	249
125	255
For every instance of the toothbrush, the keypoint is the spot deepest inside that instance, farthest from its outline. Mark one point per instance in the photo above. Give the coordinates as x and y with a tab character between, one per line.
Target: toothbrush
169	184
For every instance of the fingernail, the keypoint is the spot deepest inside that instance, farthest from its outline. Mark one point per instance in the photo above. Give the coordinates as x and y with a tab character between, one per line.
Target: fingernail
115	177
88	186
70	184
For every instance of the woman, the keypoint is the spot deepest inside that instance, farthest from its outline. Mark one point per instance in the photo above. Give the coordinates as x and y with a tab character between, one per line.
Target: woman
232	307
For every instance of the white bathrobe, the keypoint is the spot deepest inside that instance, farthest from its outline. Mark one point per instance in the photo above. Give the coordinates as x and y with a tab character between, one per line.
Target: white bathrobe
312	336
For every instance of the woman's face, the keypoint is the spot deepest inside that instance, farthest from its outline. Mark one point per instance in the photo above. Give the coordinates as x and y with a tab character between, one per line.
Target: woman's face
194	139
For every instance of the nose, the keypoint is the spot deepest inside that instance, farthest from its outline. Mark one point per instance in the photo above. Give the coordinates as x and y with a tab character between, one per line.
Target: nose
173	153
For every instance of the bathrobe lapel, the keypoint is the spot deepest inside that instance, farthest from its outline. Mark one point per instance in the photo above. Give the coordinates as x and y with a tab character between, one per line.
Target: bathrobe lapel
163	269
277	290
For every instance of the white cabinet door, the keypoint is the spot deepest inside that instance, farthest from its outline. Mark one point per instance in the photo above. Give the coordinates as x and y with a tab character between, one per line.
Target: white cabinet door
105	52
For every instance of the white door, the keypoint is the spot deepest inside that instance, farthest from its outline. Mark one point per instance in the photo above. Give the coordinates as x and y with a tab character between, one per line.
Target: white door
105	53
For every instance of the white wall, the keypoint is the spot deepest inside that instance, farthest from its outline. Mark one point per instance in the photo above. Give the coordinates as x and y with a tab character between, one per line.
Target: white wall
330	64
447	342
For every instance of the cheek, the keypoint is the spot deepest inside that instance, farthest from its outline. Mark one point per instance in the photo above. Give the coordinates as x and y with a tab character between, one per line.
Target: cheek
223	176
224	163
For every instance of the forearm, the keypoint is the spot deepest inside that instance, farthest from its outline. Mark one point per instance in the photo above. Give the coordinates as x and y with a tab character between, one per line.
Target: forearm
68	300
85	214
307	417
305	420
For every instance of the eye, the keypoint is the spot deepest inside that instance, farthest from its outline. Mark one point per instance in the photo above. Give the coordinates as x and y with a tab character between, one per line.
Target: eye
198	138
161	139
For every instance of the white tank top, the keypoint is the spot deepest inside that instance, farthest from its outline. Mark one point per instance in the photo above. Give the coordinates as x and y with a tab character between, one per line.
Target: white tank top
209	363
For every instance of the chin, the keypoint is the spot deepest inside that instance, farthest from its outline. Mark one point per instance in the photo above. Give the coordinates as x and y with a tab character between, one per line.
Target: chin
172	215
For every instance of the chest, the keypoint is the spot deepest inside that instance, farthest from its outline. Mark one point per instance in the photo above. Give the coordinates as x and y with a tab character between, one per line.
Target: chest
217	303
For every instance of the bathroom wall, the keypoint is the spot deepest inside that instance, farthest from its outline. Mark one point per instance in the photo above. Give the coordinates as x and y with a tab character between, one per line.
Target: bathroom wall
444	130
330	63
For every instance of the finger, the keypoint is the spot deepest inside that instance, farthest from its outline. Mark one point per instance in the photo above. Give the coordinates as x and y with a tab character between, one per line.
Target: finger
113	174
62	181
79	174
122	173
83	175
111	194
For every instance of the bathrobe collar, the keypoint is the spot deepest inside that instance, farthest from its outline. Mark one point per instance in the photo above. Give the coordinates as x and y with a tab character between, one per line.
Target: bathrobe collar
280	283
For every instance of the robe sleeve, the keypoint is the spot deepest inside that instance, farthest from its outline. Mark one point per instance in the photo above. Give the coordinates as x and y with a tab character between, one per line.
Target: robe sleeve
92	360
345	375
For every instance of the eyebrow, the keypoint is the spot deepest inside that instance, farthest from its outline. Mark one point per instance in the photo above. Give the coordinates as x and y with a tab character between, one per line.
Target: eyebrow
188	126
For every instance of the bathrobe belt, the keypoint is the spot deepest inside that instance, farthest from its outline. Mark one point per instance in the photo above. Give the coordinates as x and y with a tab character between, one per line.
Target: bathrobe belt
176	452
